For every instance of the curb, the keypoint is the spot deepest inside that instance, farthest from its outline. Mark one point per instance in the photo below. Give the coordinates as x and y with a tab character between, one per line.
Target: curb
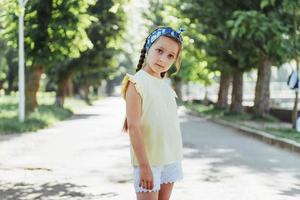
261	135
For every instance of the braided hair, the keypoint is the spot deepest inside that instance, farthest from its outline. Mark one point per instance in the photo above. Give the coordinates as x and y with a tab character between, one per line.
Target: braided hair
142	58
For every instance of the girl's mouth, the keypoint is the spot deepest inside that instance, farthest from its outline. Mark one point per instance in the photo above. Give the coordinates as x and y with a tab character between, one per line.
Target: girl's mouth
160	66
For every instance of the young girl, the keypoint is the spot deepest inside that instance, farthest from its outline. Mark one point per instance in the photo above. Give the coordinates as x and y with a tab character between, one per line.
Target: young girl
151	117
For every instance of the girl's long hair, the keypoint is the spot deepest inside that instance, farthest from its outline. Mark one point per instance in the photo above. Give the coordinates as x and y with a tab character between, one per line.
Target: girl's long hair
163	74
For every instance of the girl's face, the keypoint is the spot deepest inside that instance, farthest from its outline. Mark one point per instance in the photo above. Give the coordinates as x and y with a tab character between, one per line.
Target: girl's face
161	55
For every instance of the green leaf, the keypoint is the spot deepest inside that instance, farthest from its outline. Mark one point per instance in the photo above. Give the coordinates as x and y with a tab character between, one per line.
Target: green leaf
264	3
114	8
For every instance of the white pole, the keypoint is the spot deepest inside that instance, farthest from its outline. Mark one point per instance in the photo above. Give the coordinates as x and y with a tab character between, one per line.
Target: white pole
21	64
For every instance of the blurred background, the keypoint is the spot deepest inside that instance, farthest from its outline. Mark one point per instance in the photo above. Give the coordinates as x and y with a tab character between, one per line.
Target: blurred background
237	59
237	55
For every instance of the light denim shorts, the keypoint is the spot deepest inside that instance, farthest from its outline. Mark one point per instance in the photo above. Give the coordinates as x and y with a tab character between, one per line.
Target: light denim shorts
161	174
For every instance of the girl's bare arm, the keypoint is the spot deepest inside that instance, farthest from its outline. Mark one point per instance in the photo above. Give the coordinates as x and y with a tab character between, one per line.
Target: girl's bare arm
133	111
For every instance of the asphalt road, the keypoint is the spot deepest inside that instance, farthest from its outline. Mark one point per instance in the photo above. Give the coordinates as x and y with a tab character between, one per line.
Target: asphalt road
87	158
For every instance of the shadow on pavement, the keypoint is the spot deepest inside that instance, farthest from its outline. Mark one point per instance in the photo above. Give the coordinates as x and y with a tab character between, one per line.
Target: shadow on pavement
82	116
9	191
9	136
221	149
53	191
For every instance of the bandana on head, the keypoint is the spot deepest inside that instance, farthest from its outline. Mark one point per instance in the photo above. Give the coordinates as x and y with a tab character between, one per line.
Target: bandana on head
163	31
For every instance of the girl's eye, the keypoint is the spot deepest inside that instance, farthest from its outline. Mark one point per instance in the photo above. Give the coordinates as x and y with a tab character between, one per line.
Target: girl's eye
159	50
171	56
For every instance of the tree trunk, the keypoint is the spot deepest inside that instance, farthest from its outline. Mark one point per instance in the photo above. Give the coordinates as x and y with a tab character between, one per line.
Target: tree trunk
62	90
84	93
177	88
69	87
31	87
12	70
295	110
262	88
110	87
1	84
205	99
237	92
225	80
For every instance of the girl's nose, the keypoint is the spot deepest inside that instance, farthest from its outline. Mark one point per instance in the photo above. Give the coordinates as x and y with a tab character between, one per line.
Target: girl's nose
162	58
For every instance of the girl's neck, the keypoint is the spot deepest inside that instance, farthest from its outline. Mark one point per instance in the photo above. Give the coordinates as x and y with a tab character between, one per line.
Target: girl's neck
151	72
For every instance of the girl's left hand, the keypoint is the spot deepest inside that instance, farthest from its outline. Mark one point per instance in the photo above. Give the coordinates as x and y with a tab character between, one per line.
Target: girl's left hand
146	178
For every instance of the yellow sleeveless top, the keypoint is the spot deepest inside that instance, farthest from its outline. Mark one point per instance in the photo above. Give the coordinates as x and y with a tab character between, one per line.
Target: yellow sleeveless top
159	121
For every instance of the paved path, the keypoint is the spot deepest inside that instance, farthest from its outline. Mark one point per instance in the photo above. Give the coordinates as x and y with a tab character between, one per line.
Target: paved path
87	158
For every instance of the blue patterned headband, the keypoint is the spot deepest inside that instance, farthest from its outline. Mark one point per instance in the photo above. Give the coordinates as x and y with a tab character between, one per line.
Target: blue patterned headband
163	31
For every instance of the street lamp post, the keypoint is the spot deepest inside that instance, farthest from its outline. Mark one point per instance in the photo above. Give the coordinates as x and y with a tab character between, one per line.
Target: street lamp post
22	4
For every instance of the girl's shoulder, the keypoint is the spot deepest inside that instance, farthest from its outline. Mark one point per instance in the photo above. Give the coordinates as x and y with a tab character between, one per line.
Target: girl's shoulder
135	79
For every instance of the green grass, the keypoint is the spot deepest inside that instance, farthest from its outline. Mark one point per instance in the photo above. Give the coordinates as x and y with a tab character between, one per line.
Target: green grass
205	110
211	111
287	133
45	115
262	123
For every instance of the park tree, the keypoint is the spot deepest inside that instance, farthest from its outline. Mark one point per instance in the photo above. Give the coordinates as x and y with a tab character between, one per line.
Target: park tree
3	66
195	61
8	55
54	30
99	62
210	18
263	30
11	58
